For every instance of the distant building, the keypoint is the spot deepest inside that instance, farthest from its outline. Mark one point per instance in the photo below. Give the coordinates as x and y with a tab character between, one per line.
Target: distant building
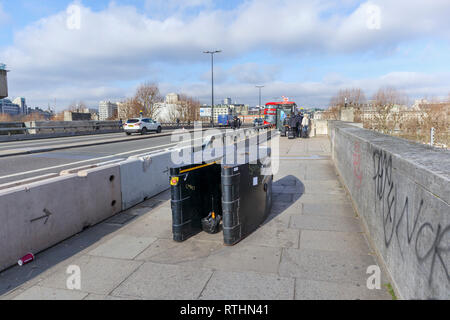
227	101
21	102
107	109
238	109
172	98
76	116
169	108
3	81
8	107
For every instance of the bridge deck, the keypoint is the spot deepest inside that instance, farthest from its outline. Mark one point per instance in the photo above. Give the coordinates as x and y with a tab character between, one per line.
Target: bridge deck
312	247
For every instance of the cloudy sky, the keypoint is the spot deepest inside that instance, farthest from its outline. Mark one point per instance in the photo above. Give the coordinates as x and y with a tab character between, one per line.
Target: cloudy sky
92	50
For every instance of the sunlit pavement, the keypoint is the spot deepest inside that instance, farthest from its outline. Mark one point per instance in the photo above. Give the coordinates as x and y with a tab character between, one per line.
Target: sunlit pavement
312	246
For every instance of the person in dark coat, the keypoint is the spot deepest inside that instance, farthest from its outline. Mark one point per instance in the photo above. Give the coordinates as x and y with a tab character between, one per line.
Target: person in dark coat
235	122
299	124
293	123
286	122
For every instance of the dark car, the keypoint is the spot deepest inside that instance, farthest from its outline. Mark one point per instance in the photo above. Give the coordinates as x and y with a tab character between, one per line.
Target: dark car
258	122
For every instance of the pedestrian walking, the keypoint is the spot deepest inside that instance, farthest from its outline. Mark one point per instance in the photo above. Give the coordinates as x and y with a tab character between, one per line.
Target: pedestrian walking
305	125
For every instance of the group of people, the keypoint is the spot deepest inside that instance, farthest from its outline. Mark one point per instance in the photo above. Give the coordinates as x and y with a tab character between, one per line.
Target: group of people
299	123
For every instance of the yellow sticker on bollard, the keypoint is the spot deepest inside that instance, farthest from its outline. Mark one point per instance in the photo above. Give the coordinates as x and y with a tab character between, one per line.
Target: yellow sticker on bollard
174	181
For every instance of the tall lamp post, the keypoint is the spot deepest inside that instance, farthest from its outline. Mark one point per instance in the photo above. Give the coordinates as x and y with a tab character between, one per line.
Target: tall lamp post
212	82
260	87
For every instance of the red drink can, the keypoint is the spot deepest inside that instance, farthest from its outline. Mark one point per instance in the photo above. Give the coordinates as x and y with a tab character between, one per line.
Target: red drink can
26	259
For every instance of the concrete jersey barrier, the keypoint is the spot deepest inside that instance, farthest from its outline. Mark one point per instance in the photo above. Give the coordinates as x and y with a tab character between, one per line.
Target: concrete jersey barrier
41	214
144	177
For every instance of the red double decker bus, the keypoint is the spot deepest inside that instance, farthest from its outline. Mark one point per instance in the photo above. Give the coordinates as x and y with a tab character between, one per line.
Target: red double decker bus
276	112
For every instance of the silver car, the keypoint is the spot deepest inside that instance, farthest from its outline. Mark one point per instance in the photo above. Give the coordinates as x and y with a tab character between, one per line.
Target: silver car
141	125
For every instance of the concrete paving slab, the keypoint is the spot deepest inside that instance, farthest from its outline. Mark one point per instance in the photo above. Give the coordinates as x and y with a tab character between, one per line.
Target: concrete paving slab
325	223
334	241
327	290
217	237
123	246
325	265
153	228
191	251
299	188
245	258
288	180
320	171
329	209
274	237
248	286
99	297
45	262
164	282
44	293
323	187
281	220
163	213
340	198
98	275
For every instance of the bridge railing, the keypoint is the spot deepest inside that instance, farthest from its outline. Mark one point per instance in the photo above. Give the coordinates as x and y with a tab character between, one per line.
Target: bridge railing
48	127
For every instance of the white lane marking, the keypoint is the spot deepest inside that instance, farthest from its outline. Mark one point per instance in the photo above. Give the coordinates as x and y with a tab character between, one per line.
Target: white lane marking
84	161
94	159
82	138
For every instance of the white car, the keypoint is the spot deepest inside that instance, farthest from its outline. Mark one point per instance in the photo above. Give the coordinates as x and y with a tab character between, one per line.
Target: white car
141	125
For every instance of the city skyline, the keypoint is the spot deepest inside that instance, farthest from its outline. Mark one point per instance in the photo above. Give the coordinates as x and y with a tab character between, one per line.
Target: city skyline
304	50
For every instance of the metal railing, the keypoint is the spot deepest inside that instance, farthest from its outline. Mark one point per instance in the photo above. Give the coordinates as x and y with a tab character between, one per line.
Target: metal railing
17	128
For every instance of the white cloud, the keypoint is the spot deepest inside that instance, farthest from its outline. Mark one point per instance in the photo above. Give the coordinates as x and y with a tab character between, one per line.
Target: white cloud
122	44
318	93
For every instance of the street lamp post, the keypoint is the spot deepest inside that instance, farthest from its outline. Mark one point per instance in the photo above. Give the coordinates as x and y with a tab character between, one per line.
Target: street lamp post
212	82
259	87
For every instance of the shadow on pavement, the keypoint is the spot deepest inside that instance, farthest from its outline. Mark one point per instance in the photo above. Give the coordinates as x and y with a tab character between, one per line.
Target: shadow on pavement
16	276
285	192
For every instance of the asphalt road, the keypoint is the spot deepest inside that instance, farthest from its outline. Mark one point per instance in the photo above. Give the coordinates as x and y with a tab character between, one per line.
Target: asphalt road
18	167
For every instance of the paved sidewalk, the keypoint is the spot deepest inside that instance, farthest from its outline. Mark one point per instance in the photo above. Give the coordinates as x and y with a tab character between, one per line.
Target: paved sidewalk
311	247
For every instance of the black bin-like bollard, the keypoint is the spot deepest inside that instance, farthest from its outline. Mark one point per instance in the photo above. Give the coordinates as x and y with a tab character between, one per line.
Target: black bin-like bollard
195	192
246	199
239	194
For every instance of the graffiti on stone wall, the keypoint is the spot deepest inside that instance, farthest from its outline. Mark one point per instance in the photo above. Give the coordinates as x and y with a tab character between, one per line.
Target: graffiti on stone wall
402	218
357	172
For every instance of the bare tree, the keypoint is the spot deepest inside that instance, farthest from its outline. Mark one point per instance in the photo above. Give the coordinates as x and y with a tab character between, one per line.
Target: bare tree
147	97
114	116
435	115
332	113
5	117
386	118
129	108
188	108
77	106
33	117
353	97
